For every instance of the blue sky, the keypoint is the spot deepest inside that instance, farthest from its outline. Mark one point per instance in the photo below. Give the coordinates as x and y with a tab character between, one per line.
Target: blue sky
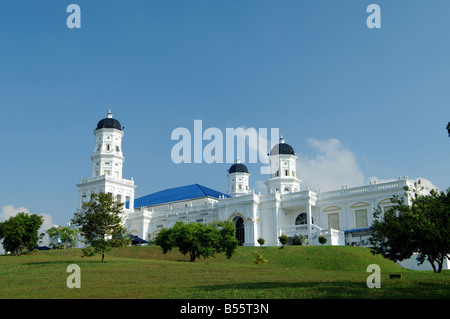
367	103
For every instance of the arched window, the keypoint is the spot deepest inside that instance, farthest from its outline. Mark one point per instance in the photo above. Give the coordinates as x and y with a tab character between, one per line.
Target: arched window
301	219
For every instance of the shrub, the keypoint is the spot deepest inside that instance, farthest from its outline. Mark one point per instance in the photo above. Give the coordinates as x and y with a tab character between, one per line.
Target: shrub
322	239
299	240
283	240
259	259
261	241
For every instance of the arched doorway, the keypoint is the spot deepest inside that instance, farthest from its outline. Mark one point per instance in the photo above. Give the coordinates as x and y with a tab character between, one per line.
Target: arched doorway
239	223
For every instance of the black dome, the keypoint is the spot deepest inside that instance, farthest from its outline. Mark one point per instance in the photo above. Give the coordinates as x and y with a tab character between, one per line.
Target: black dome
282	148
109	123
238	168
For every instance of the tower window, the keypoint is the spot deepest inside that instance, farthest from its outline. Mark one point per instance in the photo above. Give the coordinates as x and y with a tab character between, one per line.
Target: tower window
107	147
293	173
286	172
117	148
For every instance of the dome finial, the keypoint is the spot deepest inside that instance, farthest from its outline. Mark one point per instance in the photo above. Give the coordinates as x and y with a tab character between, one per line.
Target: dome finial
110	114
238	160
282	139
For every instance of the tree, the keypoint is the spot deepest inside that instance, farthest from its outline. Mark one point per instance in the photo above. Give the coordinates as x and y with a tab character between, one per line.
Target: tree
199	240
120	237
98	221
64	236
283	240
21	231
422	227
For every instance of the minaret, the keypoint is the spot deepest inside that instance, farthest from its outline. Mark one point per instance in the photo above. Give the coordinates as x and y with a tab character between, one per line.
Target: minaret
107	165
238	179
107	157
283	178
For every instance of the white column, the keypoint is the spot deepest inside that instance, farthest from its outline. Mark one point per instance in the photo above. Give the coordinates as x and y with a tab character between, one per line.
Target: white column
308	214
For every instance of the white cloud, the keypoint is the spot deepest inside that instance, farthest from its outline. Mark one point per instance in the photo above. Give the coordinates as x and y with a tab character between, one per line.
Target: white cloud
381	180
333	166
424	182
9	211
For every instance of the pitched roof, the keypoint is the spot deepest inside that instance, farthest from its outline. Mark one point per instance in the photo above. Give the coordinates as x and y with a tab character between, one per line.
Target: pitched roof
177	194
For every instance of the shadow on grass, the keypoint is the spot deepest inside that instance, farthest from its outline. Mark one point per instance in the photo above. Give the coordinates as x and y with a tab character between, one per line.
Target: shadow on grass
334	289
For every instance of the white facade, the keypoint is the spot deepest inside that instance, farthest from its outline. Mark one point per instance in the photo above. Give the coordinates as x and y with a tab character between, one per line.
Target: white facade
343	216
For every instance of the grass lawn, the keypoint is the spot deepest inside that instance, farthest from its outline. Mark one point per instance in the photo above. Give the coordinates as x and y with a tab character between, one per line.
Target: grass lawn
144	272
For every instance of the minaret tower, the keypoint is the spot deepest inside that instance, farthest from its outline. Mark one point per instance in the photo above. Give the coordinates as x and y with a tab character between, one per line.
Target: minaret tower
238	180
107	164
107	157
283	178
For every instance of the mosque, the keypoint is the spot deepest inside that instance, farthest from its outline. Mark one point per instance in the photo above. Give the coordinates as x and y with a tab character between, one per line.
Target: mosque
342	216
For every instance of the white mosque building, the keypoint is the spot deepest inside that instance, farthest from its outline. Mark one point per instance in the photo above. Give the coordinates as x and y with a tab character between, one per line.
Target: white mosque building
343	216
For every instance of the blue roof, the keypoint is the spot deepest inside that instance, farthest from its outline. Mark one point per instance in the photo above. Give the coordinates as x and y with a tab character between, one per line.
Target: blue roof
177	194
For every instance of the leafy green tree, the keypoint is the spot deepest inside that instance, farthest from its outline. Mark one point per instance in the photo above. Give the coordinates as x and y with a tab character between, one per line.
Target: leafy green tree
98	221
199	240
283	240
67	236
120	237
422	227
21	231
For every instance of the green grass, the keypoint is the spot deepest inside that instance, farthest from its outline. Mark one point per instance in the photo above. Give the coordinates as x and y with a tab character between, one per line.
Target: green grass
144	272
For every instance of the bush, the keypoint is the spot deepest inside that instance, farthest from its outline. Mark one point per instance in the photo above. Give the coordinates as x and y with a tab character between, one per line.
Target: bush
259	259
283	240
299	240
261	241
322	239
